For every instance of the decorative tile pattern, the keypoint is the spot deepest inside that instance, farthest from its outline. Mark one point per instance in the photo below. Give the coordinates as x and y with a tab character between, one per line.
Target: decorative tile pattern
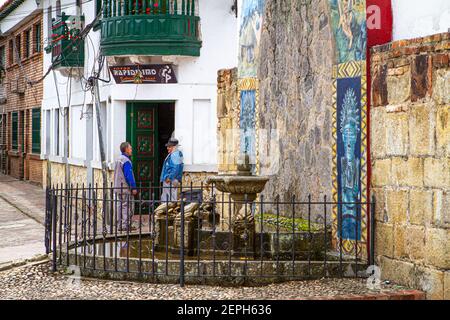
350	125
349	116
248	84
350	69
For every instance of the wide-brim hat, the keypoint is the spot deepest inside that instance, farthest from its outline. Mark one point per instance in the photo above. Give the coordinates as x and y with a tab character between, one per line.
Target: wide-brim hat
172	142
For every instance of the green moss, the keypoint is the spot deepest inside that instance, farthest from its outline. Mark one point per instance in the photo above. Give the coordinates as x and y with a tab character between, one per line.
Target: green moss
287	224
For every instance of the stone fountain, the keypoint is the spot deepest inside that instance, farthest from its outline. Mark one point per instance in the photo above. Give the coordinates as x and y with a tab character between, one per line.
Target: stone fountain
243	189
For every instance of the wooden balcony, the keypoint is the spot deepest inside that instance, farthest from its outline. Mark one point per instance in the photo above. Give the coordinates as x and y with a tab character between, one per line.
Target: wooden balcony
150	27
67	47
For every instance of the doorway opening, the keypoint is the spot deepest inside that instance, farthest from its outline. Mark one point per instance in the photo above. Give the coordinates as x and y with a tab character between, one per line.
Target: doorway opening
149	127
166	119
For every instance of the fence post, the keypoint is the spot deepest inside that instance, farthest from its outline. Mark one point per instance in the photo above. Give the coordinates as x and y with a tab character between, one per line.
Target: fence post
182	244
53	224
46	223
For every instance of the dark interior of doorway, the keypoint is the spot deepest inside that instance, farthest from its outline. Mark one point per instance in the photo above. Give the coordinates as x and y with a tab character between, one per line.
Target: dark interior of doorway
166	121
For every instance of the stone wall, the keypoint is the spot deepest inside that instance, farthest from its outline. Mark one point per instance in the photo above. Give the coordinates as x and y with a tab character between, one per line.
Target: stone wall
228	120
410	148
78	175
295	75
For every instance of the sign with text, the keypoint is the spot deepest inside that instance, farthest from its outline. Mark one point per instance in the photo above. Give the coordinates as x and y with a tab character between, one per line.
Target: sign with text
141	74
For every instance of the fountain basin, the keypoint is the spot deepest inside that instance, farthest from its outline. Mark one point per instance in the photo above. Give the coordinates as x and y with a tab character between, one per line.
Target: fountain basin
239	186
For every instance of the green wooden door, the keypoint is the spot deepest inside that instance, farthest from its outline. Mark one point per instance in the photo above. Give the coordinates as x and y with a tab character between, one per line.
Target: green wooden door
142	133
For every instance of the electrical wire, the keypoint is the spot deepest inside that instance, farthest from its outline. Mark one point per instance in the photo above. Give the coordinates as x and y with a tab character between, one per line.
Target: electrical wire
18	57
82	35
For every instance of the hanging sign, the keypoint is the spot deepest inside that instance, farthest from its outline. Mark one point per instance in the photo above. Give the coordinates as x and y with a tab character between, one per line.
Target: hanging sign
141	74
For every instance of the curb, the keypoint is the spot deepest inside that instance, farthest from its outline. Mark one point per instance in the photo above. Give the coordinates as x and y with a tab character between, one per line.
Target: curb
399	295
36	217
40	258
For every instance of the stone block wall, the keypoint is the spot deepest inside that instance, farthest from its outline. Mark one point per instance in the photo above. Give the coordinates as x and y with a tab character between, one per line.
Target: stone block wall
228	112
78	176
410	149
295	73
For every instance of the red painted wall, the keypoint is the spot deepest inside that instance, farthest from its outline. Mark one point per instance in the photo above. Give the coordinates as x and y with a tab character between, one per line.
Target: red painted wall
384	34
375	37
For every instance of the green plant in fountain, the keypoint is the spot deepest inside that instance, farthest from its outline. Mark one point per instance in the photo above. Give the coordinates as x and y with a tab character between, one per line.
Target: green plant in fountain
288	224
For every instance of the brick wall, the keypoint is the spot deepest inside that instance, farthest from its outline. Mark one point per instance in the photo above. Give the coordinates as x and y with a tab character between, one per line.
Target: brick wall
23	165
410	128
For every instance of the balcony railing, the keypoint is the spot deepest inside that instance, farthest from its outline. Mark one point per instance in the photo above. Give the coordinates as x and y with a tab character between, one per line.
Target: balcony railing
67	47
150	27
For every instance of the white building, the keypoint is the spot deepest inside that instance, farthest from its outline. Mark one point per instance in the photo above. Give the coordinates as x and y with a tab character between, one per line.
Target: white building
417	18
194	42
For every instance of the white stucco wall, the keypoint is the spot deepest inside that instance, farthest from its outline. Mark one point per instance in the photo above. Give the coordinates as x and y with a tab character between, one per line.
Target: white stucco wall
195	123
27	8
419	18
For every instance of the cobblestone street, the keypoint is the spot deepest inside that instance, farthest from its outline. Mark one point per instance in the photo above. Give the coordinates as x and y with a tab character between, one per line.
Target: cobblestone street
35	281
21	213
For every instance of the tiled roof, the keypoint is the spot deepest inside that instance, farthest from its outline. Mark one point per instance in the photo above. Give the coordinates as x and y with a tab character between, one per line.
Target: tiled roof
8	7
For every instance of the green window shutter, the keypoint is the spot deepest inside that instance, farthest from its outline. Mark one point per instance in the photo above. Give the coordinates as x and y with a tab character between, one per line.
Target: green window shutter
36	131
27	43
37	38
14	130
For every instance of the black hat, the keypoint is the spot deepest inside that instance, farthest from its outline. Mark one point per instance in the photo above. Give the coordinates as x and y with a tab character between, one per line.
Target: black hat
172	142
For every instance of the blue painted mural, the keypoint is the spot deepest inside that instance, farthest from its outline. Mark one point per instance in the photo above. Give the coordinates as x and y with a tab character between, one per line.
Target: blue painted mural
251	14
247	125
348	19
251	17
349	156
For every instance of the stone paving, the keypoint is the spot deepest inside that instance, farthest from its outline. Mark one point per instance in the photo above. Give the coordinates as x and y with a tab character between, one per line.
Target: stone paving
21	237
36	281
25	197
21	220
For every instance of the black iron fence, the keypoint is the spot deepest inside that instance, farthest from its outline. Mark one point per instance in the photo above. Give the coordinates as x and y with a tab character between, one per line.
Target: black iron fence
205	236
